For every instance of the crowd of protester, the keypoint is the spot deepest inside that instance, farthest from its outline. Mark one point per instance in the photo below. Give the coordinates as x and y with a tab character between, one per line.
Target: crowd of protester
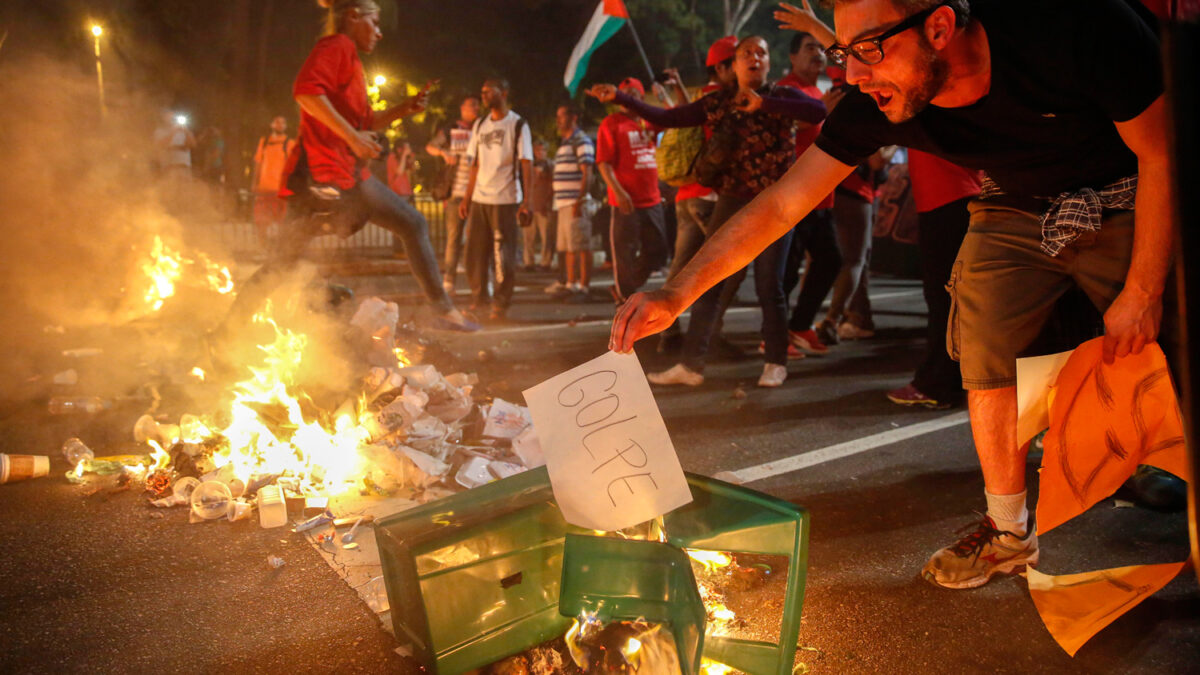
779	177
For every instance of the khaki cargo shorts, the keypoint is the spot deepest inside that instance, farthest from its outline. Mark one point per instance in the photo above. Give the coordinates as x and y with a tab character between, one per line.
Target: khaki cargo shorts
1003	287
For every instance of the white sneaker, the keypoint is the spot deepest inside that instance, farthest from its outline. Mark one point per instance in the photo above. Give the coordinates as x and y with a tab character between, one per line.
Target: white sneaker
773	375
677	374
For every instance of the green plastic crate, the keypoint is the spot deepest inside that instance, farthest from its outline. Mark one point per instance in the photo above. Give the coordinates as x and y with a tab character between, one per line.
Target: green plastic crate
627	579
476	577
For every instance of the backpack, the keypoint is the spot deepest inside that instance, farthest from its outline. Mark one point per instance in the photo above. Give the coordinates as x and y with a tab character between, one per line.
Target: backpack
676	153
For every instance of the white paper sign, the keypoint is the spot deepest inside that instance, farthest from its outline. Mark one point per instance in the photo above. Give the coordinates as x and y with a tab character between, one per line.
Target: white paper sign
610	459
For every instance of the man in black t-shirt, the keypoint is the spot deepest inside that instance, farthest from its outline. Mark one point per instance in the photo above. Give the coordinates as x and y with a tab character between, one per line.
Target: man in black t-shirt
1060	103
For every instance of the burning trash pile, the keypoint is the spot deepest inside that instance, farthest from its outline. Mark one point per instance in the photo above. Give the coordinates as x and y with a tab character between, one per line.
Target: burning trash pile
408	430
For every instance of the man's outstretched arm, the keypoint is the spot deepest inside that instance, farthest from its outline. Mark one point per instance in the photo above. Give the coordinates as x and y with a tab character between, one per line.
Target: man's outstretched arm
770	216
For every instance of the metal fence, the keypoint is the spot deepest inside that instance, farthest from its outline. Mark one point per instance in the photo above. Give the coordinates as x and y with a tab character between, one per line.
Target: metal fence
240	238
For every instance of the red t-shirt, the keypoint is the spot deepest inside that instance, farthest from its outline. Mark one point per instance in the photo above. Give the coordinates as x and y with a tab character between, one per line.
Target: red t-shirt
628	145
936	182
805	137
333	69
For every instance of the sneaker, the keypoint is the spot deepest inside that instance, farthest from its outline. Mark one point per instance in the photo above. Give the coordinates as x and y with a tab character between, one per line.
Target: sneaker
986	551
792	352
773	375
849	331
808	342
556	288
677	374
911	396
827	332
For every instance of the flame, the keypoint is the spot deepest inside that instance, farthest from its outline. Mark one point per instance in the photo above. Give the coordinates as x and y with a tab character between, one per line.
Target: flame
713	668
323	459
165	267
199	373
403	357
711	560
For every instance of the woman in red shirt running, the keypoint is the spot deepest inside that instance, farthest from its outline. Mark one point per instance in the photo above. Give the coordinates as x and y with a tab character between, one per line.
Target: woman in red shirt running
337	137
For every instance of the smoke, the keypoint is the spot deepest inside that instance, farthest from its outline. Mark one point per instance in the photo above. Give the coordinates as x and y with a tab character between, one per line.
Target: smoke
82	203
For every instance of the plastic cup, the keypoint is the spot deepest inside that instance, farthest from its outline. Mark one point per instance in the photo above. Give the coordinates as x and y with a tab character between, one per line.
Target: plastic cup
183	487
20	467
211	500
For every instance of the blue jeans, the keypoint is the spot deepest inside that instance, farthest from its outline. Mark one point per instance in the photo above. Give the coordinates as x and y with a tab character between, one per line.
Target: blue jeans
386	209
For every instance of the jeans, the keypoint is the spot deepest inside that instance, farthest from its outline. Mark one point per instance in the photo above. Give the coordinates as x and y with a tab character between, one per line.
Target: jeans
454	239
768	280
691	218
387	210
940	233
814	234
639	246
543	224
492	234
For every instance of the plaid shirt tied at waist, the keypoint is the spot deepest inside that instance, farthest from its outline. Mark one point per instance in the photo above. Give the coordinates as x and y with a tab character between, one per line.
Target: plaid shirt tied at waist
1075	214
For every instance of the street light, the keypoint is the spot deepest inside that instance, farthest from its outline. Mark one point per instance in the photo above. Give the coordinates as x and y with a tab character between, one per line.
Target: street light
380	80
97	31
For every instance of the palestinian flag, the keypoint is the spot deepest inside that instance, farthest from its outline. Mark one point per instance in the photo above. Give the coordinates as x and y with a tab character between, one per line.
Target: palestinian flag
609	17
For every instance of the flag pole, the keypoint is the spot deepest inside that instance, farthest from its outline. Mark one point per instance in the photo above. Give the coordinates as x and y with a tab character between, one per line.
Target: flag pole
637	41
645	60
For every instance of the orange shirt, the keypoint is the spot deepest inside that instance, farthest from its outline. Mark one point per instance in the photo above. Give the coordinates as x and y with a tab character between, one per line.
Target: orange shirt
270	158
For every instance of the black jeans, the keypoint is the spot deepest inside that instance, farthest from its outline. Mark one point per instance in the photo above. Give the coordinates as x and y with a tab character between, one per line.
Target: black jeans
492	236
940	233
816	235
768	279
387	210
639	246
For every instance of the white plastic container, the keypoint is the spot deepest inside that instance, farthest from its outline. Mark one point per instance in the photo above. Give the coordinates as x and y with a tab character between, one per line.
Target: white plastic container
272	508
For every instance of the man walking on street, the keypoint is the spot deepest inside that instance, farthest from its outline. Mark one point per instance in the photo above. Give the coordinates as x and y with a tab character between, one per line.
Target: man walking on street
501	155
1078	194
451	145
625	156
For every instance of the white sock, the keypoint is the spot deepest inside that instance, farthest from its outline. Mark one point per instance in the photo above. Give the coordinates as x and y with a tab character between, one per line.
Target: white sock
1008	512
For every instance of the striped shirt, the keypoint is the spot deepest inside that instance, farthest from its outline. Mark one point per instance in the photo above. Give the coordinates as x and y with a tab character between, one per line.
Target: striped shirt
575	151
455	140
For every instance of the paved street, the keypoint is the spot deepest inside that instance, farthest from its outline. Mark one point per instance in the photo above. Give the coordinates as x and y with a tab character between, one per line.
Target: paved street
100	584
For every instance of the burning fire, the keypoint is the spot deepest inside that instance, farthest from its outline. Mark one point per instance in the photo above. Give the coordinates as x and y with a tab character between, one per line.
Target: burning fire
165	267
323	459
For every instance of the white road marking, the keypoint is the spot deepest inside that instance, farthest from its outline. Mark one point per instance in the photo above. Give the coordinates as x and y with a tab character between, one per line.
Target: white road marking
841	450
735	311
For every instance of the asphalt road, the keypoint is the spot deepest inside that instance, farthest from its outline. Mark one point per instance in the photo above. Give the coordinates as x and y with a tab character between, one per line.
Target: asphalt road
100	583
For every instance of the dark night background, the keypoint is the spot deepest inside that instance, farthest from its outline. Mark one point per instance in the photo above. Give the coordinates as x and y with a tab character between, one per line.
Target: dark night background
230	63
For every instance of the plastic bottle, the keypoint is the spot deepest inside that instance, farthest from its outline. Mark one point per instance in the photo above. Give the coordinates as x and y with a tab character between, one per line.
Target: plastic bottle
75	451
68	405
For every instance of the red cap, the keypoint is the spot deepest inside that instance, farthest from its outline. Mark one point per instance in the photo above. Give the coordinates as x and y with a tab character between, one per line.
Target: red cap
721	50
633	82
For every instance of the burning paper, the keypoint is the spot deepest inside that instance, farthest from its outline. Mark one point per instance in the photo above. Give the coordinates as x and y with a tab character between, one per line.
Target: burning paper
610	459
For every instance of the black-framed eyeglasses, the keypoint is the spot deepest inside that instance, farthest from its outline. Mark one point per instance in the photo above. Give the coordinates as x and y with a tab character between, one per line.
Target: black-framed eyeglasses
870	50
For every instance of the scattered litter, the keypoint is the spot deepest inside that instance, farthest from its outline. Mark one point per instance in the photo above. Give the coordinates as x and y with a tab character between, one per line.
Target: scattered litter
21	467
1122	504
82	352
210	500
275	562
70	405
739	393
75	451
67	377
474	472
505	420
528	448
